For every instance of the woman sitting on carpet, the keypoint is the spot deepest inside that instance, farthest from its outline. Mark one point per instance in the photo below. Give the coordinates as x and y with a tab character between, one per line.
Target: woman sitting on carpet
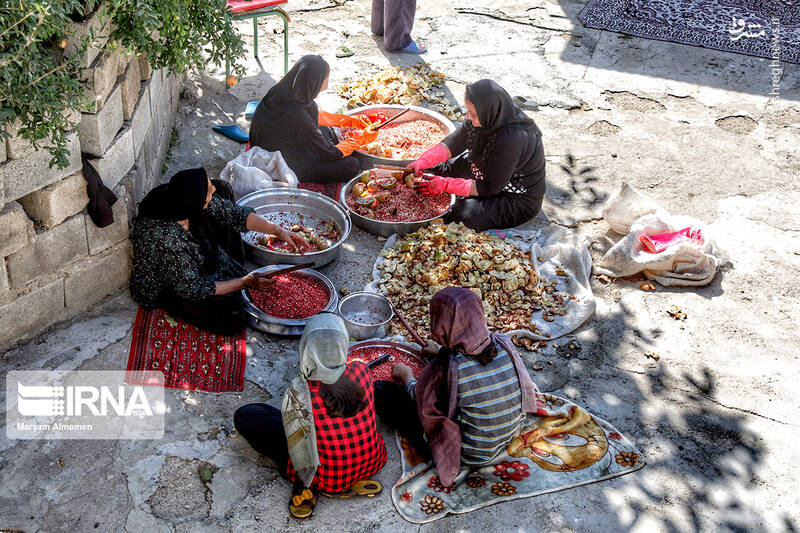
188	254
495	160
288	120
470	400
331	443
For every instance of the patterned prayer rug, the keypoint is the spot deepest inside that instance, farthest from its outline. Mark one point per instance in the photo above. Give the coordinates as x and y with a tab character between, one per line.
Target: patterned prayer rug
762	28
561	447
331	190
190	358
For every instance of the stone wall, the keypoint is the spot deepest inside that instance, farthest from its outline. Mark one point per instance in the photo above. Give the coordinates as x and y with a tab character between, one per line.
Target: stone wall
54	262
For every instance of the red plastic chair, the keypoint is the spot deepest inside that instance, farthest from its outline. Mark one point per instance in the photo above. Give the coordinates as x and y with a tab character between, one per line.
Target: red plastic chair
252	9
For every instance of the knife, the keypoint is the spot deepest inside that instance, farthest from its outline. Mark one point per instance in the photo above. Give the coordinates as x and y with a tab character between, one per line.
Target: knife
378	360
288	269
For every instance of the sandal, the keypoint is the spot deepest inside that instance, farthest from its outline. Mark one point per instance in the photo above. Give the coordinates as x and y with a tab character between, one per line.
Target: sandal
302	503
365	487
344	51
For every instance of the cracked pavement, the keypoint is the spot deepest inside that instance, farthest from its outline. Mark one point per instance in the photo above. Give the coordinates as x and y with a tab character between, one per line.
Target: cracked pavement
714	415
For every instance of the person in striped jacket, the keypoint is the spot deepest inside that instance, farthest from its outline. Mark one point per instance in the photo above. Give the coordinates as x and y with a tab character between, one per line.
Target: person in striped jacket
470	400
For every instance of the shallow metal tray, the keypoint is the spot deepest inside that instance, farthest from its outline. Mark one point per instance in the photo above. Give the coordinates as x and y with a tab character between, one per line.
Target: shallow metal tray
274	203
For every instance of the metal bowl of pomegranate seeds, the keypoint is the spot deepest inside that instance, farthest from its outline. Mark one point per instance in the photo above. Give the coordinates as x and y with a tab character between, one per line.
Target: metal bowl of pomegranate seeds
296	296
328	221
402	141
384	228
367	351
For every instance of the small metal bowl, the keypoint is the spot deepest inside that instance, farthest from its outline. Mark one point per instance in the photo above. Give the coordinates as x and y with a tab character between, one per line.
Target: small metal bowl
286	326
366	315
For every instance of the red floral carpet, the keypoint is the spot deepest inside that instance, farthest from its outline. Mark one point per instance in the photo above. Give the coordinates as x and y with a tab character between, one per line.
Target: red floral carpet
190	358
331	190
561	447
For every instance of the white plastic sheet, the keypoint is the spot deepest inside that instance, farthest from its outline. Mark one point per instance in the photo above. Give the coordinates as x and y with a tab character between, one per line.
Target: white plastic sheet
555	246
258	169
686	263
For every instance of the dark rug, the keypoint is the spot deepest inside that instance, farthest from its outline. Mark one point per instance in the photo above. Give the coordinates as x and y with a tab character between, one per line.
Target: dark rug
190	358
761	28
331	190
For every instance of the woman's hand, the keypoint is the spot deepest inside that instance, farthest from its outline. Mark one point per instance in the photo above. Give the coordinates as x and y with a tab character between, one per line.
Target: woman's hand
364	137
432	157
296	243
431	349
258	281
402	373
355	121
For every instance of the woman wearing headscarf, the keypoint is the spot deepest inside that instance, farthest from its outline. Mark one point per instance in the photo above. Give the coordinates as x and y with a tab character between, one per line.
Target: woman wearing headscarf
494	160
287	120
188	254
325	437
470	400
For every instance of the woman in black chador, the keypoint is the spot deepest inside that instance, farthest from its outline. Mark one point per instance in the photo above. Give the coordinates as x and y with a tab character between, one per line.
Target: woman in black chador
188	254
287	120
494	162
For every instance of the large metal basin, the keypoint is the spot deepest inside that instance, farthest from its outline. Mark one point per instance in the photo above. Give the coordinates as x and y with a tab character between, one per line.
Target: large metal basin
287	326
384	229
379	343
368	160
280	203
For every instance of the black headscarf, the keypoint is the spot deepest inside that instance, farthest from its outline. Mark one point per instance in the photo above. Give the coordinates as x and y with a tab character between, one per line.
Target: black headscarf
300	85
495	110
183	198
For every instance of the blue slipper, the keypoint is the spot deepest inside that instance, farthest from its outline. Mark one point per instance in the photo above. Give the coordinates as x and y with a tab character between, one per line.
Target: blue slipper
233	132
412	48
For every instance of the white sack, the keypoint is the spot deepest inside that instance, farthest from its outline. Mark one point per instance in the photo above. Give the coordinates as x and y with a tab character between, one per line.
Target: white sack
686	263
258	169
627	205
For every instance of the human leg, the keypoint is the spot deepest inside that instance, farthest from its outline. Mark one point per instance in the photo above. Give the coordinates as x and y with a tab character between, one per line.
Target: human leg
398	22
376	22
399	412
222	314
261	425
494	212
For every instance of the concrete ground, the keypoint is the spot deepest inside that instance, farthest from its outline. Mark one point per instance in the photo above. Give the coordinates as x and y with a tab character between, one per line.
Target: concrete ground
714	416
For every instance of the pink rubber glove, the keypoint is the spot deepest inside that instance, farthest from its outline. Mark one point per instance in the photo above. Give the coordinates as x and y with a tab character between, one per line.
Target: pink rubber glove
432	157
659	242
438	185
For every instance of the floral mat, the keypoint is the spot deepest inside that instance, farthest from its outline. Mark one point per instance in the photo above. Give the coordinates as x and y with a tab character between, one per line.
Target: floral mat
190	358
561	447
762	28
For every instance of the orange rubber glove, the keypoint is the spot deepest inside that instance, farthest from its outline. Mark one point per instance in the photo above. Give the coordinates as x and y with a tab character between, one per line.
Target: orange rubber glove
361	138
342	121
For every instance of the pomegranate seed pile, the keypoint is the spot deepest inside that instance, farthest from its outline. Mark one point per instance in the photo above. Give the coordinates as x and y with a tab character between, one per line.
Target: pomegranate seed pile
384	370
295	295
404	205
404	140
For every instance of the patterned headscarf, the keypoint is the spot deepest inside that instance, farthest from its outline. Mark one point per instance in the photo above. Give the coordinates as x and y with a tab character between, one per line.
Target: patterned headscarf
458	321
323	357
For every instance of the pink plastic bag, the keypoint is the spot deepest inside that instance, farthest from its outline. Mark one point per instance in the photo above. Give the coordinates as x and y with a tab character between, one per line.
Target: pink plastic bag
659	242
